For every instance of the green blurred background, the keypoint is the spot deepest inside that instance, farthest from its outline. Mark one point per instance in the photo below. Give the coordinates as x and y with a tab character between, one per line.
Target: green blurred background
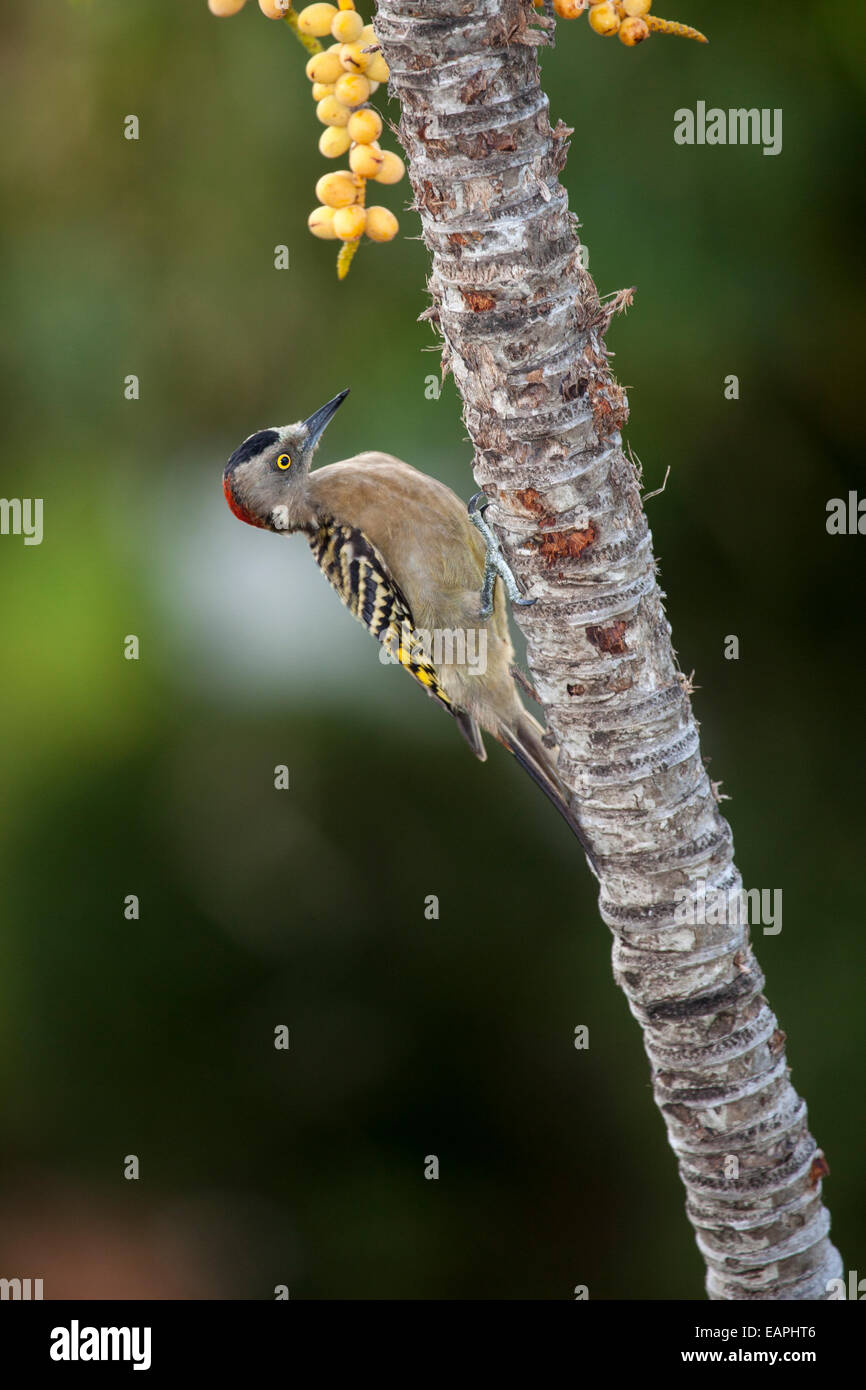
258	907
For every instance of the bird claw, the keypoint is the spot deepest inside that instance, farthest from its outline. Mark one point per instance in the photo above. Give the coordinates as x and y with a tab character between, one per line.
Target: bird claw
494	562
478	504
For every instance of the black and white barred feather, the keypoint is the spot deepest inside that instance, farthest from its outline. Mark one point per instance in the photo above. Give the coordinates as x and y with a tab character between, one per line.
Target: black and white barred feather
358	572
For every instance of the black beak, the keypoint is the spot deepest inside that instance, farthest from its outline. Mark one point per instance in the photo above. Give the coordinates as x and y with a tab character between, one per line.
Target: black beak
320	419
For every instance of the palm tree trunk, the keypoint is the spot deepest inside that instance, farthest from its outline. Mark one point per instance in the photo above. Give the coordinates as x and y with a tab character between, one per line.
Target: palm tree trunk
523	332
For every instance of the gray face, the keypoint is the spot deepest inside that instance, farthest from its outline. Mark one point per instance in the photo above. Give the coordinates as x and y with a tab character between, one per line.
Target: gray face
262	478
265	479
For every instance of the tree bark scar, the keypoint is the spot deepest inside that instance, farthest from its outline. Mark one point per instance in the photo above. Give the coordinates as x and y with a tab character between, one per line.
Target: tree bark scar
531	500
474	146
609	406
565	545
610	640
478	302
475	87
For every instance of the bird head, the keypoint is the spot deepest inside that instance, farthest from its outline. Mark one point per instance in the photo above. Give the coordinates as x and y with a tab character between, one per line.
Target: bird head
265	479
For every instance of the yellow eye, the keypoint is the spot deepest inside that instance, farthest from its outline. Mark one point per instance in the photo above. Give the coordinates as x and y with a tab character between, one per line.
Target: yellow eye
284	461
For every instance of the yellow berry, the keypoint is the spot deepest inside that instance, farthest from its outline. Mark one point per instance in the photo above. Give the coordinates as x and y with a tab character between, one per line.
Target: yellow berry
392	169
224	7
377	69
347	26
349	223
569	9
322	90
637	7
337	190
321	223
274	9
324	67
381	225
353	57
365	161
365	126
351	89
633	31
603	19
315	19
330	111
334	141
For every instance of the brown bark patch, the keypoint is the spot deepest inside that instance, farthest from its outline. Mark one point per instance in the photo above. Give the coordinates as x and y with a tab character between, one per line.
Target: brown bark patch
478	145
532	397
576	689
565	545
820	1169
610	640
531	500
478	301
461	239
475	87
560	136
609	407
501	140
428	197
620	684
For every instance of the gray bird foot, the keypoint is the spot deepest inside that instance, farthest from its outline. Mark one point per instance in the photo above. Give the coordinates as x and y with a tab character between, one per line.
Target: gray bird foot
494	562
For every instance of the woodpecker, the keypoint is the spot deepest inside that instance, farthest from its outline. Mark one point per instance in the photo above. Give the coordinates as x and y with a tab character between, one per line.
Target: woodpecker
409	560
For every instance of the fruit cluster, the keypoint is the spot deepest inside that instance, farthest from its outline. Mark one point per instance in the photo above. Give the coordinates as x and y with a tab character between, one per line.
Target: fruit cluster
344	76
630	20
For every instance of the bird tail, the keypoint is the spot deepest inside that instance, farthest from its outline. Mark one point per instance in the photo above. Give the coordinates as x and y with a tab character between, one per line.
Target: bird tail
524	740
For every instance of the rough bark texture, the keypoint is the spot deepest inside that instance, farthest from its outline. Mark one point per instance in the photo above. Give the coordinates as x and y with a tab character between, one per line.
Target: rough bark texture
523	334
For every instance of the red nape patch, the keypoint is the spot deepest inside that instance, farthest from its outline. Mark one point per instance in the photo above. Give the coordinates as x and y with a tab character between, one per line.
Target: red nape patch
238	508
